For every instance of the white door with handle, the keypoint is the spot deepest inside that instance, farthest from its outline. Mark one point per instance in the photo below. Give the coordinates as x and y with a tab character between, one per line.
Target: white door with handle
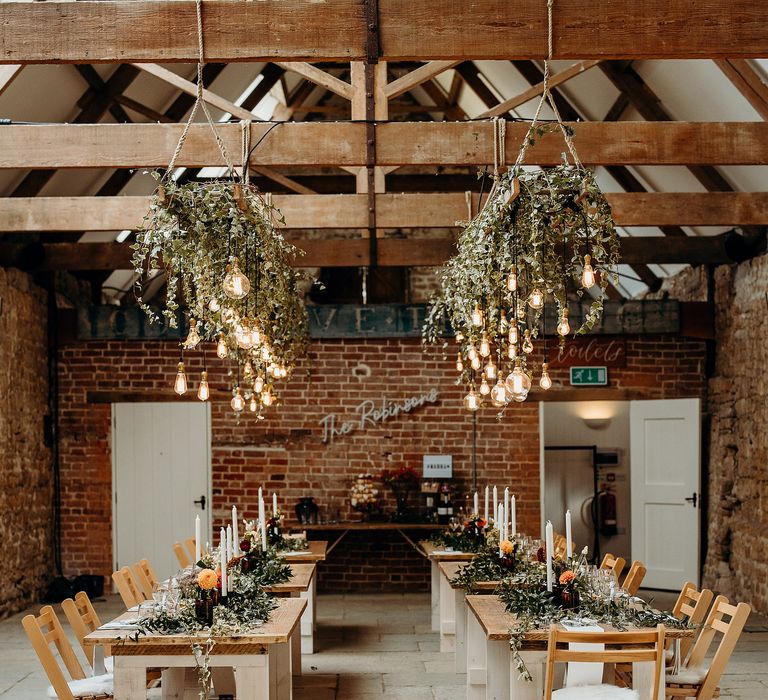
161	462
665	474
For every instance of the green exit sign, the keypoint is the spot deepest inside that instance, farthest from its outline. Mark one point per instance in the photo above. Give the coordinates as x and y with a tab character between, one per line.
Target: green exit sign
589	376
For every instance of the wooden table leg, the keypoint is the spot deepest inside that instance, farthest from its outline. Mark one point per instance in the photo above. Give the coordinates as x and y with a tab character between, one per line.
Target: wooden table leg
307	622
642	679
252	678
280	677
130	681
223	680
435	591
296	646
460	614
520	689
172	683
497	657
476	666
447	617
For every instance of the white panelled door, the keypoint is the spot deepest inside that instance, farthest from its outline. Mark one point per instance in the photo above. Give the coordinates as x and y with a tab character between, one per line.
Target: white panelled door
665	446
161	461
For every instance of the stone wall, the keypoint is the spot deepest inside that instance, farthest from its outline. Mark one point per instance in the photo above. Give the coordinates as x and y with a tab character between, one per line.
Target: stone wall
737	560
286	452
26	491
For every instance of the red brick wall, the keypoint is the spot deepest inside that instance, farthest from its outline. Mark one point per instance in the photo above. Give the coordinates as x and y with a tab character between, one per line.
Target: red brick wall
286	452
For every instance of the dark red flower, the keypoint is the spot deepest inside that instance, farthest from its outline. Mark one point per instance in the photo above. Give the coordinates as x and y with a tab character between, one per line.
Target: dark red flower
541	555
245	545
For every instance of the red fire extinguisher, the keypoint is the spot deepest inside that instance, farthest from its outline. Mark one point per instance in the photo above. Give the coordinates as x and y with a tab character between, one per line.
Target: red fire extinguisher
606	511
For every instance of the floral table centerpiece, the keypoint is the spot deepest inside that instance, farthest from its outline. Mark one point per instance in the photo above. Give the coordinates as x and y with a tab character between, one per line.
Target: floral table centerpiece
469	536
403	481
493	562
364	496
277	540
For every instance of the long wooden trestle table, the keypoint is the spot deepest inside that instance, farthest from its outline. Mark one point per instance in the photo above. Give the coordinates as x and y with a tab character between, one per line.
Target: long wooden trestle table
261	658
436	555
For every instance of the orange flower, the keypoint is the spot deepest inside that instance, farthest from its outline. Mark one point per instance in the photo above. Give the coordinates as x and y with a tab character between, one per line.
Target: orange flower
207	579
507	547
566	577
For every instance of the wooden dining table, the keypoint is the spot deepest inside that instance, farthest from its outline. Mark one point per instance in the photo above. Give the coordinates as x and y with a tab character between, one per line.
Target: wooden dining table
436	554
491	670
300	584
261	658
316	552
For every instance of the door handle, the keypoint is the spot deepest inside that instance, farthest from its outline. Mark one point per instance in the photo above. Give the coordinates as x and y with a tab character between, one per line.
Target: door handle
693	499
201	502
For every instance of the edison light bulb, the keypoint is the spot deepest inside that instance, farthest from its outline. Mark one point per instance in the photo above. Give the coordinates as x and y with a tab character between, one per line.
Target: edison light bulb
471	352
238	402
536	300
258	384
253	406
475	364
276	372
513	333
564	328
202	391
503	323
180	385
221	347
516	383
499	394
213	305
490	369
248	369
472	400
527	343
546	381
265	353
512	279
193	337
266	397
255	335
243	335
588	275
230	316
512	352
236	284
477	316
283	372
459	363
485	389
485	346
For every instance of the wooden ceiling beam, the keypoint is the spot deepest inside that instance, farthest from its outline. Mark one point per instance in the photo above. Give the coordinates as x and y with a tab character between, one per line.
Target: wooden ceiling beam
746	80
392	252
394	211
160	31
397	143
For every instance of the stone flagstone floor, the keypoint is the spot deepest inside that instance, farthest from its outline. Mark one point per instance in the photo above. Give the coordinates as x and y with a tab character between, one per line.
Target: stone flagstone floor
375	646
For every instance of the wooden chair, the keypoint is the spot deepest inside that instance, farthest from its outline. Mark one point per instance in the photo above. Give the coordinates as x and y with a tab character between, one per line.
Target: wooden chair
616	564
692	605
145	578
83	620
620	647
181	555
695	680
634	577
561	545
46	629
128	588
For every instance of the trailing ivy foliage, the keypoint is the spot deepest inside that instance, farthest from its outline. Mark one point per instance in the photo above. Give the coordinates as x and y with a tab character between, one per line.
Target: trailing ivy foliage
192	232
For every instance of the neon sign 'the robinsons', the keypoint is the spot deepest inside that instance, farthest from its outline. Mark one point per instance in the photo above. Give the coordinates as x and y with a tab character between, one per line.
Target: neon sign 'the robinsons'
369	414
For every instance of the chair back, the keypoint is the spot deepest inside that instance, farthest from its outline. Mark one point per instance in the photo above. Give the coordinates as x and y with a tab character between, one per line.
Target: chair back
561	545
142	580
634	578
181	555
620	647
692	605
728	620
616	564
190	545
83	620
44	630
127	587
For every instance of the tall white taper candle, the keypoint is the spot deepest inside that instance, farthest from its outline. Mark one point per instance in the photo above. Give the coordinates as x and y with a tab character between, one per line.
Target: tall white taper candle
499	519
475	505
229	542
274	505
223	561
568	543
485	509
506	512
261	517
549	552
235	536
496	506
513	516
198	539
